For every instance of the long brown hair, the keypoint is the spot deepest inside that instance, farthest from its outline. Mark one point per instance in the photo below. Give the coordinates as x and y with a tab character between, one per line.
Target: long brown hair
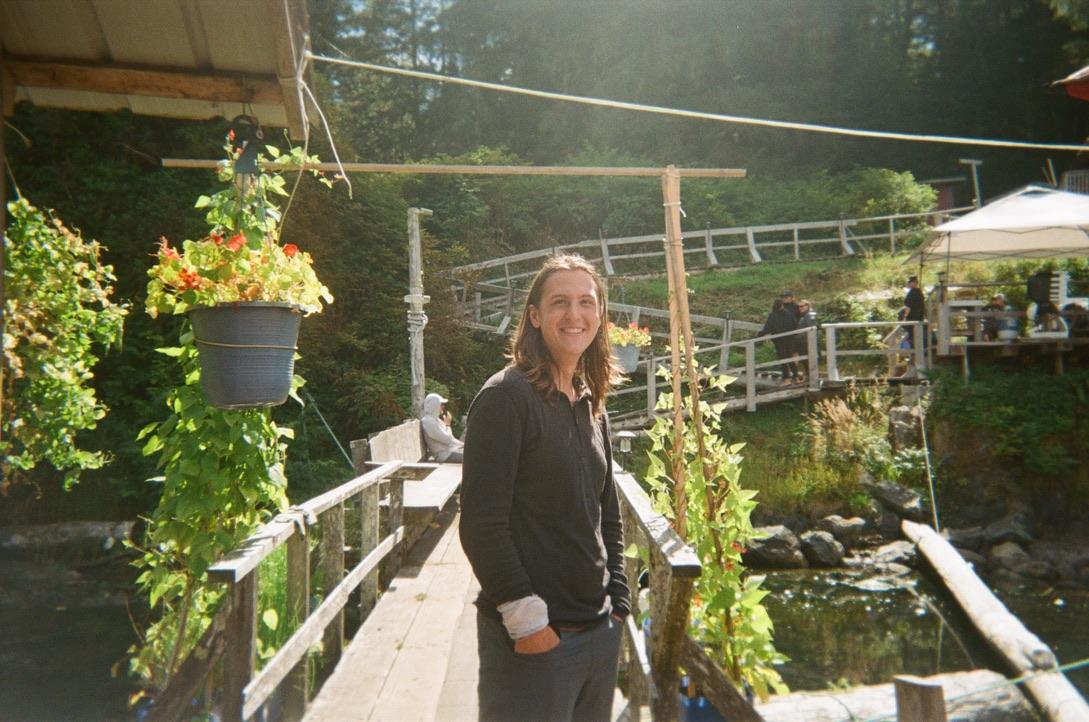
597	368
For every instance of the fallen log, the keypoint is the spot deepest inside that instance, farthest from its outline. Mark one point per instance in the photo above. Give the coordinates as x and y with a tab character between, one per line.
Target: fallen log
976	696
1056	697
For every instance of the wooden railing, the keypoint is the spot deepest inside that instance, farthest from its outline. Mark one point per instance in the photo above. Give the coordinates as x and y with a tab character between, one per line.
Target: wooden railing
653	675
232	637
834	352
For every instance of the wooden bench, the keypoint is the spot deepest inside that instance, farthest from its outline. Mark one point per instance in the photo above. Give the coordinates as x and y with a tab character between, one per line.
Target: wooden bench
429	486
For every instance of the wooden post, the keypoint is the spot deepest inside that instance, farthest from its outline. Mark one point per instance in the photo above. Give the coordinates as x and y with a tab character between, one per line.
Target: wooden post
637	691
918	700
297	684
830	352
892	235
797	250
750	376
241	652
394	521
724	354
416	300
368	523
476	306
672	195
332	570
709	246
814	366
669	597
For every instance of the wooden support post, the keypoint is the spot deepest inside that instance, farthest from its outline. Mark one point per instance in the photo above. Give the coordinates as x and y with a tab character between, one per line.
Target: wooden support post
709	246
830	352
605	260
892	235
918	700
297	683
368	532
240	657
669	597
814	367
750	376
332	571
672	202
476	306
944	331
753	253
638	694
797	249
395	517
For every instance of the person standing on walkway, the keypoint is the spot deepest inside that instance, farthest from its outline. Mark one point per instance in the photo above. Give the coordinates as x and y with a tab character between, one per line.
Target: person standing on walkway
781	320
915	307
540	516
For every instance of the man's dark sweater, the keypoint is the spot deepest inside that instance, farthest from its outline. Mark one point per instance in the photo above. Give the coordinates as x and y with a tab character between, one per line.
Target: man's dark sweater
539	509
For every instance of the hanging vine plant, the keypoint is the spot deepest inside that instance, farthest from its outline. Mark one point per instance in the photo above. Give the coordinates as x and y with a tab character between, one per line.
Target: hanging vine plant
243	291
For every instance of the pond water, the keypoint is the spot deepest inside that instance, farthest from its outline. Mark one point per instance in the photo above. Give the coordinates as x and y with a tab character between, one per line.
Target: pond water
56	664
838	627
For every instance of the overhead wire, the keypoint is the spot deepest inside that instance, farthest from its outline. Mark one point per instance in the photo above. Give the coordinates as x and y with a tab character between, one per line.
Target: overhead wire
696	114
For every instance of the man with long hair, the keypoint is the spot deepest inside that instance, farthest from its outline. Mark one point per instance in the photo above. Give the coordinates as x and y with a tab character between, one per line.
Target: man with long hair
540	516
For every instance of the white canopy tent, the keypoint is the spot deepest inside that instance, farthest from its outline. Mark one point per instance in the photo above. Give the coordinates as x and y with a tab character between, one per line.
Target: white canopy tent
1033	222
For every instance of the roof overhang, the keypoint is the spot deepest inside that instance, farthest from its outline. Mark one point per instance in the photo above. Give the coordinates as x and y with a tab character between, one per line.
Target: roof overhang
194	59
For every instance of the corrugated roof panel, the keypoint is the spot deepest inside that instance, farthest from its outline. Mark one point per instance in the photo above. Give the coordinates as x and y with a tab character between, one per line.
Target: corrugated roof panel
146	32
240	37
64	29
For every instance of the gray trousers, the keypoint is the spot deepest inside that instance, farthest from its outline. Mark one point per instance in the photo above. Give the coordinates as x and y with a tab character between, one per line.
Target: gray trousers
575	681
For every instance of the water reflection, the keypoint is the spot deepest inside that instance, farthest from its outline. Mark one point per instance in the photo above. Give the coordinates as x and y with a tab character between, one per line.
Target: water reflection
841	627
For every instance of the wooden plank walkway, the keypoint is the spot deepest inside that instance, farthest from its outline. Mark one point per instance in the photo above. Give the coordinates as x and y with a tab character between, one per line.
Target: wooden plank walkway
414	659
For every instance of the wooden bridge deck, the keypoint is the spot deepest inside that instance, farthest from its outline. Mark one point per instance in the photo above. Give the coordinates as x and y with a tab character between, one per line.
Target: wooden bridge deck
414	658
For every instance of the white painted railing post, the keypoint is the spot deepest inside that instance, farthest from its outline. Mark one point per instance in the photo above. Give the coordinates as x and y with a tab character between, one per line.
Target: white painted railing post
847	250
830	352
892	235
811	350
724	352
709	246
753	253
917	338
605	260
797	251
750	376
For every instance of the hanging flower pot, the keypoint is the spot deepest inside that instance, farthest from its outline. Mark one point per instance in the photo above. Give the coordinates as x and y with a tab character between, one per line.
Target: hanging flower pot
243	290
628	356
247	352
626	342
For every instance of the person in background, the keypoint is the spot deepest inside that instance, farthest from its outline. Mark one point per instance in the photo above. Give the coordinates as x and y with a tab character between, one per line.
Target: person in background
807	319
440	440
780	320
915	308
540	516
789	304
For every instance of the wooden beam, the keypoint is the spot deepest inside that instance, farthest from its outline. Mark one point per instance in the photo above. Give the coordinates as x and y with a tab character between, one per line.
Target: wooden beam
140	80
427	168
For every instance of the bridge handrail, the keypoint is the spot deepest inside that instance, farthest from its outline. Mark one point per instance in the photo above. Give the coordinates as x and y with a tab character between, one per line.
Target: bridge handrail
749	231
673	567
233	634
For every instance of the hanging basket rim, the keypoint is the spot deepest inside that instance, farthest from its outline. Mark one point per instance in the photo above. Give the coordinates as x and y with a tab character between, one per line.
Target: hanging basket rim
228	305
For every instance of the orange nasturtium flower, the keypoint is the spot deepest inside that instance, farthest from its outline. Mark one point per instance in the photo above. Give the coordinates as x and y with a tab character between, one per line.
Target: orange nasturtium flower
290	249
236	242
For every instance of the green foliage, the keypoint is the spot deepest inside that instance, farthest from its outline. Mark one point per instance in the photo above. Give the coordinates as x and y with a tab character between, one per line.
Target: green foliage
1035	424
849	434
57	314
727	614
222	476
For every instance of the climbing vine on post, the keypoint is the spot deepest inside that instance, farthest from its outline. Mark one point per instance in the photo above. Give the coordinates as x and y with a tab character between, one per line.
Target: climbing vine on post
57	313
222	471
727	615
